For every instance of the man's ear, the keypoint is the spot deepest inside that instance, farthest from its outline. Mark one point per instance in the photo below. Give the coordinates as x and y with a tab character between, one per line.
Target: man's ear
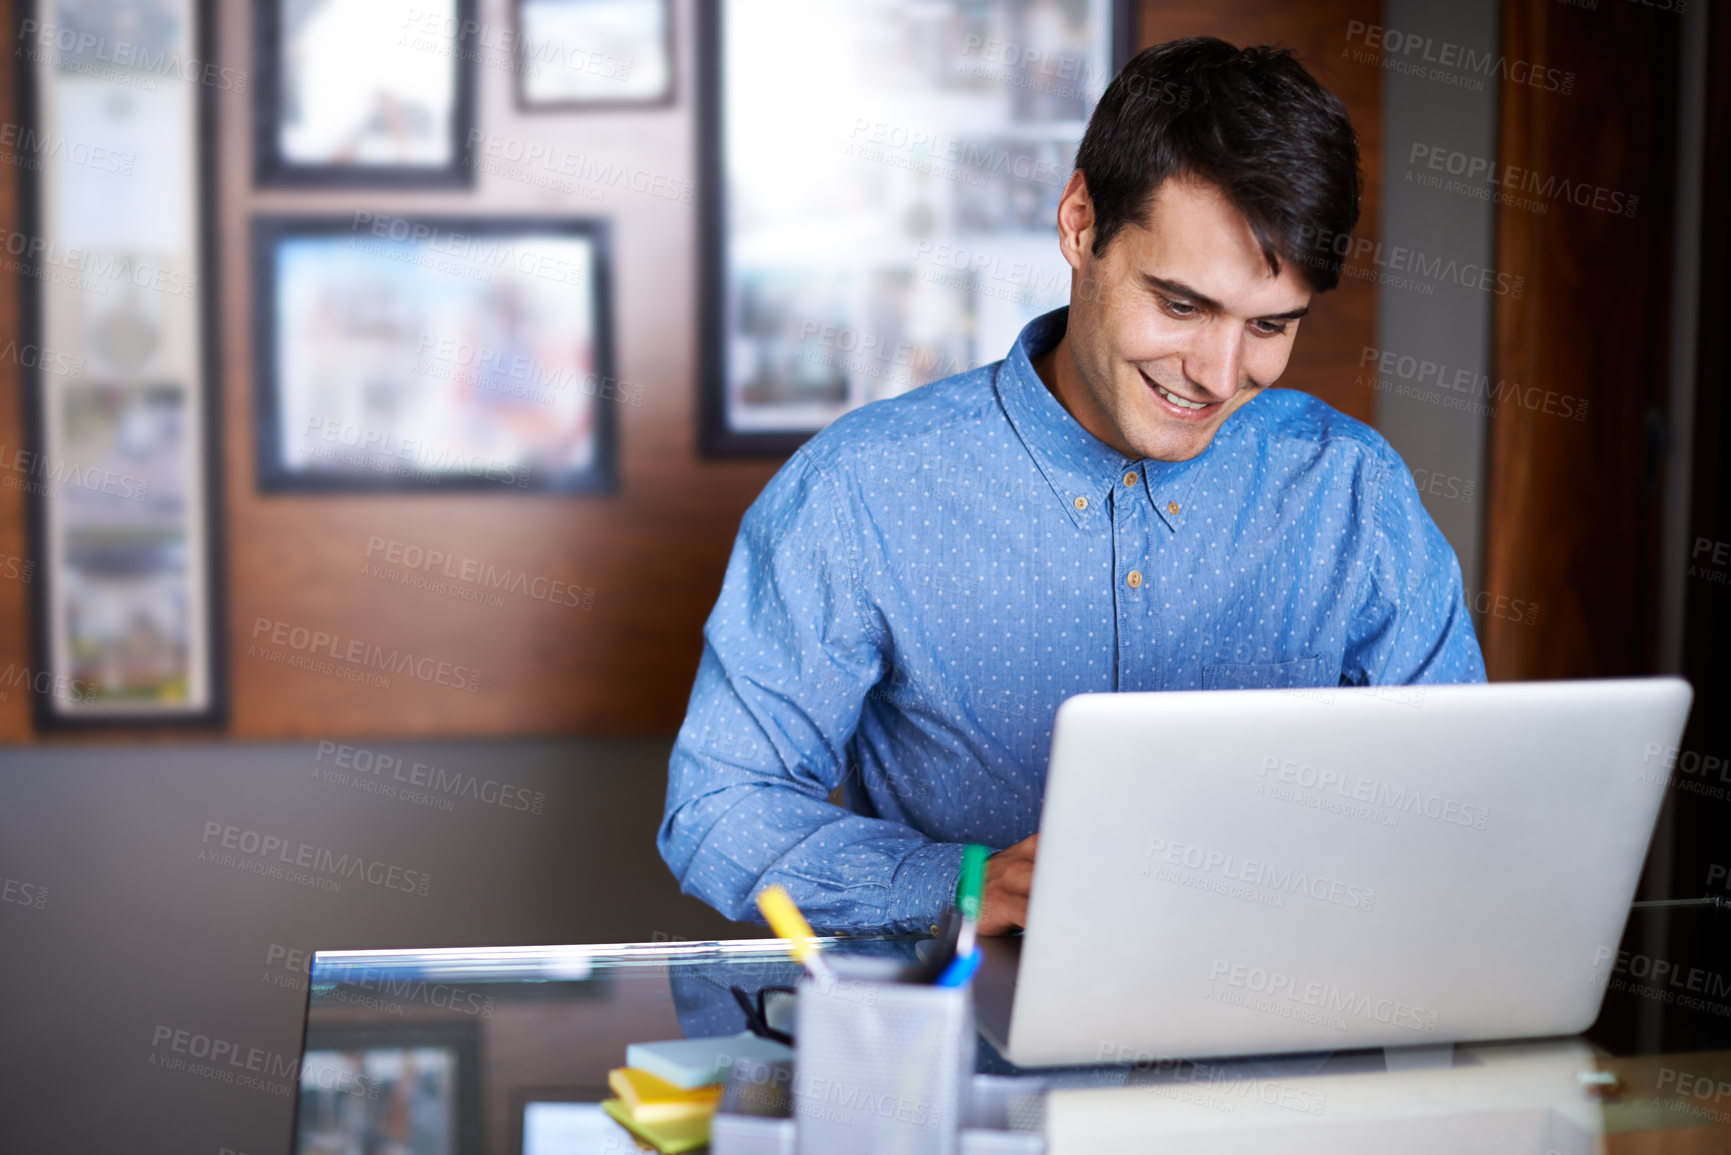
1076	221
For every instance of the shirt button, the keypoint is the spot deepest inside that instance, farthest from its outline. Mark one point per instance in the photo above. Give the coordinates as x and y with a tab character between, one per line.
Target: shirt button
1081	503
934	928
1171	507
1129	479
1135	578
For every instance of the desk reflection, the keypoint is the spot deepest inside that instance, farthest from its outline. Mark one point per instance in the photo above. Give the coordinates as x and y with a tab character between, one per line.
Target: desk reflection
506	1050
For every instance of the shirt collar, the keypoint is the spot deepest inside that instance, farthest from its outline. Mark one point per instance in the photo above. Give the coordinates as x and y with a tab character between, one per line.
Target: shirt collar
1081	469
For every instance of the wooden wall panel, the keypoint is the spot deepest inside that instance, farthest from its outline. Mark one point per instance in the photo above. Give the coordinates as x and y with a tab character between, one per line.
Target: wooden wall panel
1574	507
1342	323
654	552
14	591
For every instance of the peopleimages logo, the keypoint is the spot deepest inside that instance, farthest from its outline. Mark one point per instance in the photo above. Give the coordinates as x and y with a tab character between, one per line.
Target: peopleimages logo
23	893
1044	63
1326	998
1463	388
478	573
502	45
483	253
1662	978
952	158
75	45
1694	1086
875	355
79	263
394	989
1400	259
226	1061
1451	61
1523	180
435	779
47	684
1256	874
52	146
1690	768
1225	1081
358	653
442	356
1714	569
262	847
587	169
988	272
1716	874
67	473
48	361
1357	788
385	451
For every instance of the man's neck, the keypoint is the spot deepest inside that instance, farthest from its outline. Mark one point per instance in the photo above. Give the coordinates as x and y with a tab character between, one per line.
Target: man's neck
1056	371
1046	368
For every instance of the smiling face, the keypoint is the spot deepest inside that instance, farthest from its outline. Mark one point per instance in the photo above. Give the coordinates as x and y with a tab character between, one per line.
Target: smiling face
1174	327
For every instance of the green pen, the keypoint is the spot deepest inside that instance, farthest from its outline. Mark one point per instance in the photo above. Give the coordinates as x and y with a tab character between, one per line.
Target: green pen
970	891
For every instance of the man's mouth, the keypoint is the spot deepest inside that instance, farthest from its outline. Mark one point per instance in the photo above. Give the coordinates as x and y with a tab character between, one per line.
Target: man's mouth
1180	406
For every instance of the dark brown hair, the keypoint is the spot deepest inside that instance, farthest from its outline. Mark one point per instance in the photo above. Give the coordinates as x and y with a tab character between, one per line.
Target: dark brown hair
1250	121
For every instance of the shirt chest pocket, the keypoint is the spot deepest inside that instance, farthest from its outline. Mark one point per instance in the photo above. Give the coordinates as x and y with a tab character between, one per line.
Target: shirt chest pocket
1297	673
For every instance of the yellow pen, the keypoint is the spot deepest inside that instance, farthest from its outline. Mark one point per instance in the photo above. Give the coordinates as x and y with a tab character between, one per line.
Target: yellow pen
785	920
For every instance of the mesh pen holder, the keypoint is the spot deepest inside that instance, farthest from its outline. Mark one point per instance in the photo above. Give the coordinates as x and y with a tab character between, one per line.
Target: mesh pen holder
882	1068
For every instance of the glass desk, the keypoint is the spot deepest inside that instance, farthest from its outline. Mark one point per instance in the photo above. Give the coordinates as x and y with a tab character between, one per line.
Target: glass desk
506	1050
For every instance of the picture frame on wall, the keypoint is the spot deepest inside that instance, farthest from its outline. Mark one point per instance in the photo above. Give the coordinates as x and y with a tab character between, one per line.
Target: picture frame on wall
367	93
432	354
894	222
120	410
577	54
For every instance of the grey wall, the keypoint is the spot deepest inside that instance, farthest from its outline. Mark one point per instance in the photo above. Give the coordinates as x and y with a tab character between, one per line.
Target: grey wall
1450	327
112	925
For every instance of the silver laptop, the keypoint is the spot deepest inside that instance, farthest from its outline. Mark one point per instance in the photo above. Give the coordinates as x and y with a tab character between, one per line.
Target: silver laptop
1265	871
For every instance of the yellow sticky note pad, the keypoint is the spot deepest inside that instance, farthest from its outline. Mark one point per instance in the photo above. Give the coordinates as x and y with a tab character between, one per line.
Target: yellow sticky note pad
652	1099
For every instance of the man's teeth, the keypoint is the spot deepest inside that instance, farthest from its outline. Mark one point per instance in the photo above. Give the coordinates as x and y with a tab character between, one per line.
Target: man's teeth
1181	401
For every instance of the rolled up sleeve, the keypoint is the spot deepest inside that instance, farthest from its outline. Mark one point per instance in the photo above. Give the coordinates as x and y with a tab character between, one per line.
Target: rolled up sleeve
790	651
1413	625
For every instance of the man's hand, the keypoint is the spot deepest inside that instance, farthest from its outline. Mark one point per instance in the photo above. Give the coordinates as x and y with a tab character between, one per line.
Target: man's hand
1009	876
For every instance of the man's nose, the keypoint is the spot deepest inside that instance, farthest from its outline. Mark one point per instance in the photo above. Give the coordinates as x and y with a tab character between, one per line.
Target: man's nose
1216	361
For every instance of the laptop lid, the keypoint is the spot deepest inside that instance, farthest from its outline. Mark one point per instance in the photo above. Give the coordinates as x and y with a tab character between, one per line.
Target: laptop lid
1265	871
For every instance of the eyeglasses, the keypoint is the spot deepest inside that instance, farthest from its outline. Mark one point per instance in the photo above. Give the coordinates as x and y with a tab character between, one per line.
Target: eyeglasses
756	1017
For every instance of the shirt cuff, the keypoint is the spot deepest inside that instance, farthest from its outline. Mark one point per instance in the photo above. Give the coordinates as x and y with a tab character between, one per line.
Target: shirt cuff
924	885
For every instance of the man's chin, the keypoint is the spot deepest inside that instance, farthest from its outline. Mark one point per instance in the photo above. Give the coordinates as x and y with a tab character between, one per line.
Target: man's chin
1176	444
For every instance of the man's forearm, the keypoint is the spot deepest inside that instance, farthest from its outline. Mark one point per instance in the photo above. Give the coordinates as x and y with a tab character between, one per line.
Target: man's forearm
845	871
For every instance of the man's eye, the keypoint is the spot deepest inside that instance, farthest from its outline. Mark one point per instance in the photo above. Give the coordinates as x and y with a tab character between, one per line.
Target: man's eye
1178	308
1269	328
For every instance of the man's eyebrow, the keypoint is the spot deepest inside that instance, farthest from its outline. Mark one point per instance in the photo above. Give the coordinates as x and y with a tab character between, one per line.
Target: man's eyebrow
1178	289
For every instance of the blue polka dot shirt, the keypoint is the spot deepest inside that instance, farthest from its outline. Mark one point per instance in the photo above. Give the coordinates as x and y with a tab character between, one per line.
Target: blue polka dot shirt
922	583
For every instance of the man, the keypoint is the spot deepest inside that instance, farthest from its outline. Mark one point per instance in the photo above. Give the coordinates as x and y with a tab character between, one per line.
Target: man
1120	504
